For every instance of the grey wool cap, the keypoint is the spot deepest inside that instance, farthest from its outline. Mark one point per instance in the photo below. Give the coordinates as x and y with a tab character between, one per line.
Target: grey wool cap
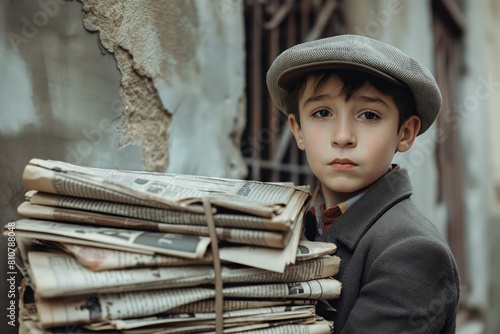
356	53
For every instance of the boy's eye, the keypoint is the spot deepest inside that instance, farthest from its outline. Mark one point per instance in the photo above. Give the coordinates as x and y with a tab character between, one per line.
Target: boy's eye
369	115
321	113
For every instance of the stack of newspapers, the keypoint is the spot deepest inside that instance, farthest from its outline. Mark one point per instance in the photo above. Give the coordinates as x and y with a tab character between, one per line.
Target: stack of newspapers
139	252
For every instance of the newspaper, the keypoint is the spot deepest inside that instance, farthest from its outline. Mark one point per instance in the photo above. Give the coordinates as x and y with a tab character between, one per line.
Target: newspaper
238	317
272	327
300	326
319	327
59	274
98	259
172	191
29	321
240	236
111	306
154	227
280	222
151	243
189	246
206	306
267	258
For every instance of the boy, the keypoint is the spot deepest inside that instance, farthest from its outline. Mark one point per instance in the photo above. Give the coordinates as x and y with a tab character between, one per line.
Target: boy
352	103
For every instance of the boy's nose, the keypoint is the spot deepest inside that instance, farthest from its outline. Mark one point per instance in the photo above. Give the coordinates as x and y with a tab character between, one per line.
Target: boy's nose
343	136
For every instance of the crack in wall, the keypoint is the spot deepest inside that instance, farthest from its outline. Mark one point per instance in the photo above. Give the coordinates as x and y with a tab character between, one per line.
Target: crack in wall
182	85
144	120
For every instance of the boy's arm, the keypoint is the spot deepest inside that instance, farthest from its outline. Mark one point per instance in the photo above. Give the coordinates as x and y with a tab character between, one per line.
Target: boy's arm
412	287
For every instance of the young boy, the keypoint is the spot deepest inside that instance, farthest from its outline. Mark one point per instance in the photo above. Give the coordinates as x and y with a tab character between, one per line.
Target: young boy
352	103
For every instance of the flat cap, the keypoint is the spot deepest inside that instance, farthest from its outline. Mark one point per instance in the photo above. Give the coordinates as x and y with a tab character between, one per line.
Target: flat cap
357	53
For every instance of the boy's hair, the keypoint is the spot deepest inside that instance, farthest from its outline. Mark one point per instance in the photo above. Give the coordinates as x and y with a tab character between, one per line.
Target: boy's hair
352	81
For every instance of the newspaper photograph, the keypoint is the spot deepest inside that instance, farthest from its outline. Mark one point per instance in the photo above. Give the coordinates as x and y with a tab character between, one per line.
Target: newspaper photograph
189	246
271	259
99	259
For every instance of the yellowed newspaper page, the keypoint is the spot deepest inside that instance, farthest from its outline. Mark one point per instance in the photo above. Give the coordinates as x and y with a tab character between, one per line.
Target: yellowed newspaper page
205	306
238	317
176	191
109	306
98	258
266	258
321	327
326	288
239	236
59	274
282	222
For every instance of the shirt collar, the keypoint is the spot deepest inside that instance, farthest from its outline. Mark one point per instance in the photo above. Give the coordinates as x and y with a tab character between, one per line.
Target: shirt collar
325	217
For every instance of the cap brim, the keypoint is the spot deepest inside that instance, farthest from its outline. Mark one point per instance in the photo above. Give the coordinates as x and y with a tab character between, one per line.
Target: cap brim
289	77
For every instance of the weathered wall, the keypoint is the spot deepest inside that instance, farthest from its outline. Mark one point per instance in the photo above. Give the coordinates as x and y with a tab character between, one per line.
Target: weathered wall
475	90
164	91
183	78
58	100
492	22
493	50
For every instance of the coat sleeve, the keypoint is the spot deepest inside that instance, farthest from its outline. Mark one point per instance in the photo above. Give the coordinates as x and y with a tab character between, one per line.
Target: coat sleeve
412	286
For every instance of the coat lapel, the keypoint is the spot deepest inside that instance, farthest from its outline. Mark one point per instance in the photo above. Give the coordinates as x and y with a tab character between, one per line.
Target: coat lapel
353	224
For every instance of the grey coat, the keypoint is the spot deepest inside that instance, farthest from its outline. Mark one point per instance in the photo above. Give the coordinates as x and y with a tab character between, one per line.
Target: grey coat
398	274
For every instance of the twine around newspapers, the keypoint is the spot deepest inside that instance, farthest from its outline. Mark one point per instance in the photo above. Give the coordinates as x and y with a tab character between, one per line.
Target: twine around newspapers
219	297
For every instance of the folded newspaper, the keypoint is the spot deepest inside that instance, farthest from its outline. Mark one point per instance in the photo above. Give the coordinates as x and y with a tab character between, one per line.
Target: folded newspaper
133	252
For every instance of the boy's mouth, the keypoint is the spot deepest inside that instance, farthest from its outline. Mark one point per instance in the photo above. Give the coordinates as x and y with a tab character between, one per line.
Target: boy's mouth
342	164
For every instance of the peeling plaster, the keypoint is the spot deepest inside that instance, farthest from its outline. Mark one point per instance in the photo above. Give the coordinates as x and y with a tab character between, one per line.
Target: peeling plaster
182	64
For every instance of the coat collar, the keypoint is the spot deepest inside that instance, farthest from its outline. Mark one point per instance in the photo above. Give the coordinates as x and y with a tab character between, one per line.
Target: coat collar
353	224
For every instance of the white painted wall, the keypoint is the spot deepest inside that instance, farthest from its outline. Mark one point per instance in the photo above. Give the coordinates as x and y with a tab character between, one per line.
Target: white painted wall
475	91
209	105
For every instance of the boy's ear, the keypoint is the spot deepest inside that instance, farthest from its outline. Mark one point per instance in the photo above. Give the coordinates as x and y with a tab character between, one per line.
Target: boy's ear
296	130
408	132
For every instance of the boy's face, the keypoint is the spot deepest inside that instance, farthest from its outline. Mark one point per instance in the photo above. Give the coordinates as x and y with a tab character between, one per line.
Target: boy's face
349	144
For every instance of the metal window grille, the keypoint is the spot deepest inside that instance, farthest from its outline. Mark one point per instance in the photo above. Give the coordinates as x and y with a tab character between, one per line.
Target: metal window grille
271	27
448	28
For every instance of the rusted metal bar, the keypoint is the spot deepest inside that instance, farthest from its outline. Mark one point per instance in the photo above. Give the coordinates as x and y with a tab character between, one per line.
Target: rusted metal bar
454	17
449	151
280	15
287	22
284	167
256	95
322	21
305	12
274	50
